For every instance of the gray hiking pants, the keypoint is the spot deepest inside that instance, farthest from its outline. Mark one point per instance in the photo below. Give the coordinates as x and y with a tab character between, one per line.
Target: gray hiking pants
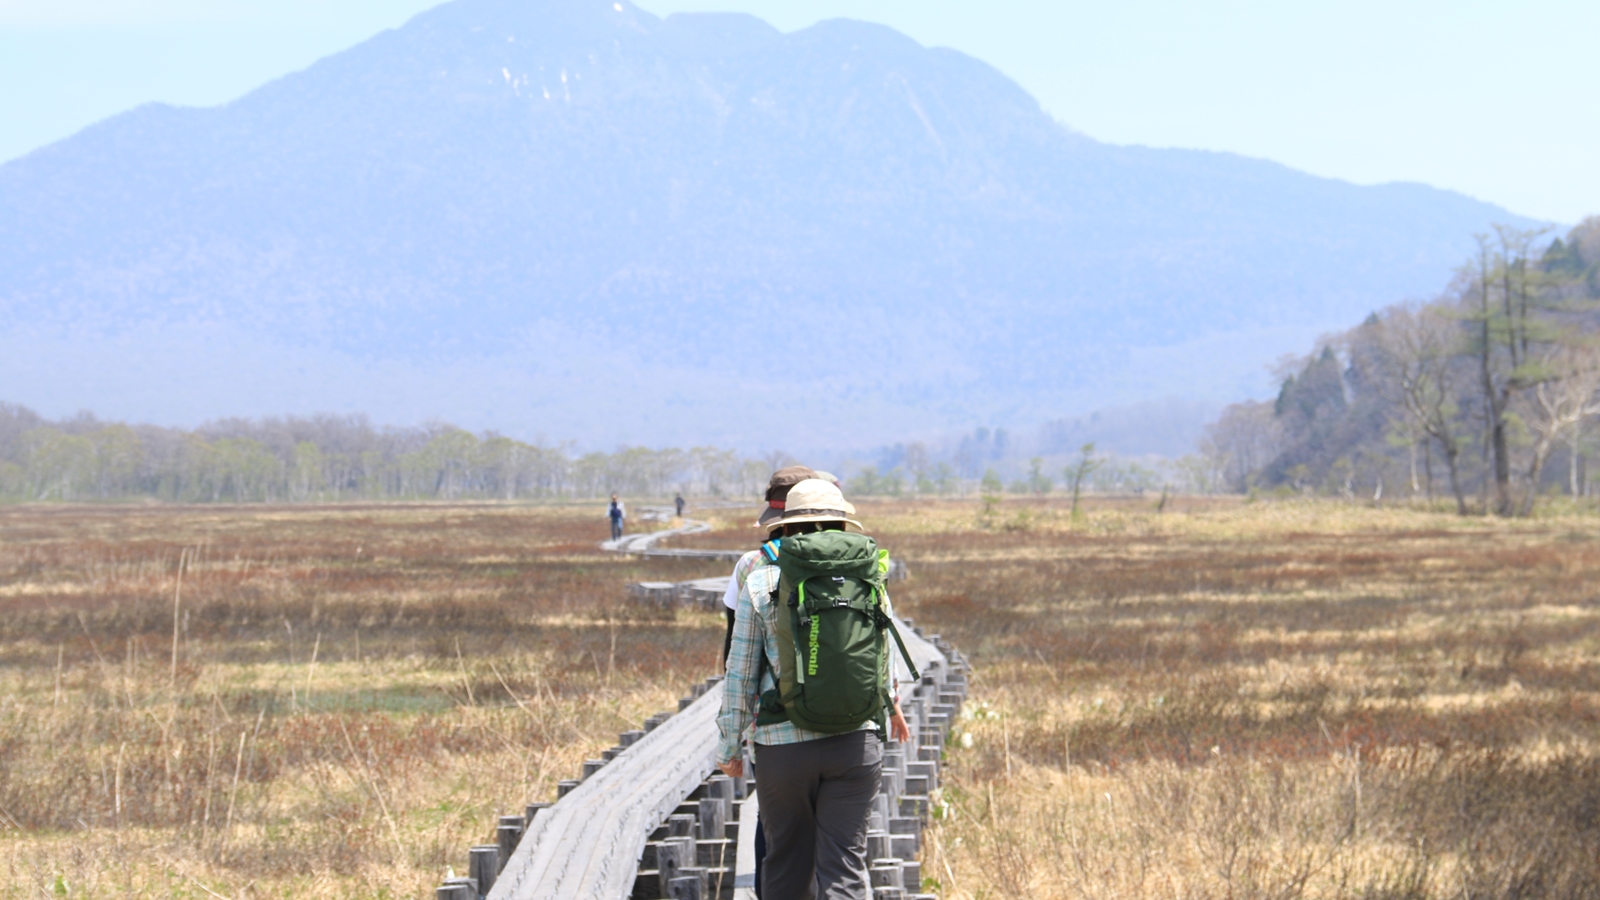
815	797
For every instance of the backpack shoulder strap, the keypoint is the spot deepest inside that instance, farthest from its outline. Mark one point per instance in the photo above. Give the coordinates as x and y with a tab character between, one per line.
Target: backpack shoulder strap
886	622
911	667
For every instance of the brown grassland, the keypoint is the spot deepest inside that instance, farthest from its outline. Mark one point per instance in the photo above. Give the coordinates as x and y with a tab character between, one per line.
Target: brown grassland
1289	699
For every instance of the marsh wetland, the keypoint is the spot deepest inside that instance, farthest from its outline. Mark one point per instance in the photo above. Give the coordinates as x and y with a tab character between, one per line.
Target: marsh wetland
1225	699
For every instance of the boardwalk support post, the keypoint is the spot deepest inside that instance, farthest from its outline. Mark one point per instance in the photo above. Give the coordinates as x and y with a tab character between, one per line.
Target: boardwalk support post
483	864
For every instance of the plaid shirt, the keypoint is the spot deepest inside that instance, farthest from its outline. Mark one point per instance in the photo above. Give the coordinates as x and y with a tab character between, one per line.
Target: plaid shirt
754	634
741	570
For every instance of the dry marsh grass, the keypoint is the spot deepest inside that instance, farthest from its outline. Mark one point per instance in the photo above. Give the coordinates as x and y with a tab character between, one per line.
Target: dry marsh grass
355	693
1297	699
1269	700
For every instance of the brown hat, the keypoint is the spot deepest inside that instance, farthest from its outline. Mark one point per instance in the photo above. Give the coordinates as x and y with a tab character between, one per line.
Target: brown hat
814	500
778	491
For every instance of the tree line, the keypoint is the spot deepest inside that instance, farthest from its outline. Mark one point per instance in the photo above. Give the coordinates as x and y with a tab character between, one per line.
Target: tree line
332	458
1485	396
911	472
329	458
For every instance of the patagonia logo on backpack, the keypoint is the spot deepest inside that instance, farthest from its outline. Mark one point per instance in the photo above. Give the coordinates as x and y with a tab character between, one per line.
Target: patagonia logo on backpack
811	658
833	634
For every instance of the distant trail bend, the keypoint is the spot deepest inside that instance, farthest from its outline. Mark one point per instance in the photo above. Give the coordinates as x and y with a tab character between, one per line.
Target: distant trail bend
644	543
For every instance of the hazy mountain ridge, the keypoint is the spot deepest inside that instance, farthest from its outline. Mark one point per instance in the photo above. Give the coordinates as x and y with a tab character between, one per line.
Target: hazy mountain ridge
571	210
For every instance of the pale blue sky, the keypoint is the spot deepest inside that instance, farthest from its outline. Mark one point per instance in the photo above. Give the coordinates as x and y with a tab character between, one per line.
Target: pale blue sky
1493	99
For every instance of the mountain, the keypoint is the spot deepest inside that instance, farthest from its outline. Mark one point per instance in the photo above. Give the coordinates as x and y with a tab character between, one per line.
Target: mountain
573	219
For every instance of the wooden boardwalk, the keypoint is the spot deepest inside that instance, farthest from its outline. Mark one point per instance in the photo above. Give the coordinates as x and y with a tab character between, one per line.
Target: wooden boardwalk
644	544
589	843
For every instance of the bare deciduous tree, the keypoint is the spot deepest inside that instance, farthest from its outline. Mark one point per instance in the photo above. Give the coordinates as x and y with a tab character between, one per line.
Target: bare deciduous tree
1241	442
1416	352
1507	330
1565	395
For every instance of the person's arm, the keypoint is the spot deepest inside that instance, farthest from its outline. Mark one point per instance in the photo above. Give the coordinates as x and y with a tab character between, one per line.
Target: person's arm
741	571
898	729
730	599
741	684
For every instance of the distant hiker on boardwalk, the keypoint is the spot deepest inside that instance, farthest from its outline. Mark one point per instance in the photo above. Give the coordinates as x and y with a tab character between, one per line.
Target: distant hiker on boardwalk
810	669
678	502
617	514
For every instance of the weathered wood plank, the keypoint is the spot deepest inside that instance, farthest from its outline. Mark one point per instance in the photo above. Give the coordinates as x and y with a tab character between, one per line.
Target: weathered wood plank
587	846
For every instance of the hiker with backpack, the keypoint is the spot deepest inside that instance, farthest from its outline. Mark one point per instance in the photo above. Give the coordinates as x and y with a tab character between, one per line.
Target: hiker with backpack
777	492
810	668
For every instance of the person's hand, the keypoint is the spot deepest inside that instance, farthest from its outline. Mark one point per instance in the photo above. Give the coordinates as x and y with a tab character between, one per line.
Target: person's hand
898	729
733	768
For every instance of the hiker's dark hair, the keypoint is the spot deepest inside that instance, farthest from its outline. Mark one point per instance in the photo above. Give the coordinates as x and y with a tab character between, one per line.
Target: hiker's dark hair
809	527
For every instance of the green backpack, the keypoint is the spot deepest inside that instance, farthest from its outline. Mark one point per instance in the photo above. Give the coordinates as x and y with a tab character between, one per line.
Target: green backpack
833	657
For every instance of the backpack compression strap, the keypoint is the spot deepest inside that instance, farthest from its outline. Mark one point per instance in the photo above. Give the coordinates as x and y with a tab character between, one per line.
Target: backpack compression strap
799	603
